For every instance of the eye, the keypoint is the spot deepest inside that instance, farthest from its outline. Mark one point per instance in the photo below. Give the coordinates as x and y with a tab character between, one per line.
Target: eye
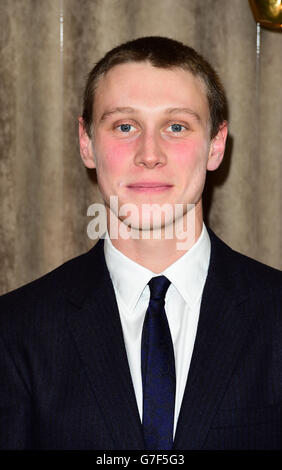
176	128
126	128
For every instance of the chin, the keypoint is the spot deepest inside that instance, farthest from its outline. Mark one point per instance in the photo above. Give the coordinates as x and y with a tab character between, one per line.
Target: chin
146	225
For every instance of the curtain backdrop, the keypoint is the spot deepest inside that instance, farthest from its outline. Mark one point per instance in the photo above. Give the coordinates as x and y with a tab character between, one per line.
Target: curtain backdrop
48	47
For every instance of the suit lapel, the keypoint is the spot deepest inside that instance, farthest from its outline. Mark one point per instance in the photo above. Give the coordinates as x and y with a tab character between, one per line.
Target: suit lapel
222	330
95	325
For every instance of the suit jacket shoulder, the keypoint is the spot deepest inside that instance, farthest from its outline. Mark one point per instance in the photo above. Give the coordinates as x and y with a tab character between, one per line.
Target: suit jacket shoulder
251	273
75	278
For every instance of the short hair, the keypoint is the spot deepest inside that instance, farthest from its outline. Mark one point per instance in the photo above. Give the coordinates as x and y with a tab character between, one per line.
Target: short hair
164	53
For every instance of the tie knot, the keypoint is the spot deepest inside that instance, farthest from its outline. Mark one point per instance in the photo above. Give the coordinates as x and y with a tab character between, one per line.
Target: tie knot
158	287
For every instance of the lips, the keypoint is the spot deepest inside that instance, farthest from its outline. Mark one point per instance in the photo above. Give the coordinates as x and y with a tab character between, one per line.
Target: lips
149	186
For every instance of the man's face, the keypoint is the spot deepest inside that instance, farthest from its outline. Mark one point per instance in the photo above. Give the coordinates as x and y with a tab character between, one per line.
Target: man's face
151	136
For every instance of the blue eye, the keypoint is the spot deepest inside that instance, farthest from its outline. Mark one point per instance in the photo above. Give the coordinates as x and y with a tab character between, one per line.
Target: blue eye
176	127
125	127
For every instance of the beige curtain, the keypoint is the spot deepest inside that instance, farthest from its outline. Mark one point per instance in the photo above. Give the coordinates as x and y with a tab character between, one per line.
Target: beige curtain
47	48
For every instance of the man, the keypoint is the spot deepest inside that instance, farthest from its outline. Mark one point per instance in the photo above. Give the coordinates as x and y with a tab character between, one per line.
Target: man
160	337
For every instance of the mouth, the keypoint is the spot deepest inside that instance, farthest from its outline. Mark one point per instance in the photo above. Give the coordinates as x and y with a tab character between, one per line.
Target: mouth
149	186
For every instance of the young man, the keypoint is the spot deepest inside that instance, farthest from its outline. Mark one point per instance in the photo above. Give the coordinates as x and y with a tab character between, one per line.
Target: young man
161	337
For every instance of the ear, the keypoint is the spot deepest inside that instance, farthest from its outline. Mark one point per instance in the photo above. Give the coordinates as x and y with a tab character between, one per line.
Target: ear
217	148
86	148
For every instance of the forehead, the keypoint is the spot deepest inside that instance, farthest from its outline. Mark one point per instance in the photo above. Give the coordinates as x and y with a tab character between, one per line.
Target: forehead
142	86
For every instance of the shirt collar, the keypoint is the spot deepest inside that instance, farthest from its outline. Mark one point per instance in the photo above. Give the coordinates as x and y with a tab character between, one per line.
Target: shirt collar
187	274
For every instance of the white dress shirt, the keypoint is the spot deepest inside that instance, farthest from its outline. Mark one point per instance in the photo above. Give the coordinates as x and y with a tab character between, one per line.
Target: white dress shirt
182	305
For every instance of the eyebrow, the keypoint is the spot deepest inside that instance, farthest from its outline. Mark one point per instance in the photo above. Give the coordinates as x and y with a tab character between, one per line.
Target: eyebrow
189	111
128	109
117	110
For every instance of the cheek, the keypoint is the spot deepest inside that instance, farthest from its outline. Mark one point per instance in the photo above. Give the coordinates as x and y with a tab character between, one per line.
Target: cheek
190	155
111	156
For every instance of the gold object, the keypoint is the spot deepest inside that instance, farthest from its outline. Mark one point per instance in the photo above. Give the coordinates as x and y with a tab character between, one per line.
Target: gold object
268	13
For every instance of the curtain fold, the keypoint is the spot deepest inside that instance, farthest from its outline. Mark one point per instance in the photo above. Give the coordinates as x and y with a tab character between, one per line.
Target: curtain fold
47	49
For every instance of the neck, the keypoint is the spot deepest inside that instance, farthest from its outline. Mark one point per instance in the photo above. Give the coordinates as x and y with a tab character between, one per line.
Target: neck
158	254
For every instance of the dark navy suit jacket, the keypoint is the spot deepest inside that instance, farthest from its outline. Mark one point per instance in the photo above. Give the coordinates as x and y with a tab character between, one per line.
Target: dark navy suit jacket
64	376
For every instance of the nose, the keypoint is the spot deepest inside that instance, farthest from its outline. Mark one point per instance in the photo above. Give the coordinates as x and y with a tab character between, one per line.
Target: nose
149	152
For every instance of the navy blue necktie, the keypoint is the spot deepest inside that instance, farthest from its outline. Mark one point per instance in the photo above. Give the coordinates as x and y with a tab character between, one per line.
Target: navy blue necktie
158	371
